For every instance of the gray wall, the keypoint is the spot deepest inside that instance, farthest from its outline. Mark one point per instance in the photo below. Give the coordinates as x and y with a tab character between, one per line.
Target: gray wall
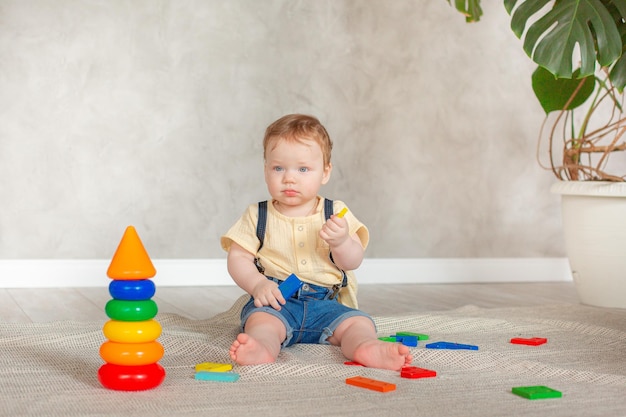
151	113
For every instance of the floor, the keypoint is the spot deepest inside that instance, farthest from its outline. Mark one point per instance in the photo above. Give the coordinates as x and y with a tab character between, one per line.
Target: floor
87	304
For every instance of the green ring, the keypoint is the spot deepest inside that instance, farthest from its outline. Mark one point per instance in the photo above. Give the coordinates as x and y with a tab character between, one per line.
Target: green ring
124	310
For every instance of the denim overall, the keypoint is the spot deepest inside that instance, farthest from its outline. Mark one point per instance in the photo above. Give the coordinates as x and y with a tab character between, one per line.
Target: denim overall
313	313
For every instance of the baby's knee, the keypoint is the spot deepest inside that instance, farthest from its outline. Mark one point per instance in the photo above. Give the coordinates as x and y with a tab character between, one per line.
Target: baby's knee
261	318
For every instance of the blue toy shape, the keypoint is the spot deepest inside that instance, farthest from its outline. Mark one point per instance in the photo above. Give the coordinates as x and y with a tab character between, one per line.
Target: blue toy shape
217	376
450	345
407	340
289	286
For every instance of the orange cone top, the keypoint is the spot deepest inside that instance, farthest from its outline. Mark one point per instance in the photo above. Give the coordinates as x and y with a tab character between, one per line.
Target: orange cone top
131	261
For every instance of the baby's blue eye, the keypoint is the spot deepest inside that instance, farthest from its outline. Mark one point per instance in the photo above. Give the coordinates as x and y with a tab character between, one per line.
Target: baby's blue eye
303	169
278	169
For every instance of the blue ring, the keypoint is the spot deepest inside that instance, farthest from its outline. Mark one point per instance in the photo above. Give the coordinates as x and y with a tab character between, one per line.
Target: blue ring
132	290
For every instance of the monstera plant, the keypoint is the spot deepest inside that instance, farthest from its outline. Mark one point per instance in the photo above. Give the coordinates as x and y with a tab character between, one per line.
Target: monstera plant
579	48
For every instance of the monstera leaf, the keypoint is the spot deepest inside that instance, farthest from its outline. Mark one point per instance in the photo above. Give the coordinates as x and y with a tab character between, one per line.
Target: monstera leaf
556	94
551	40
618	72
470	8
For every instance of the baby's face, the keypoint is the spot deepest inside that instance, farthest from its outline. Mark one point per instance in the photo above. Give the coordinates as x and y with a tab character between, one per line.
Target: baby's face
295	172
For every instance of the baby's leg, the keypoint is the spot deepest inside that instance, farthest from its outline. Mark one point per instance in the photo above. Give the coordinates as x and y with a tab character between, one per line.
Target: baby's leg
358	341
261	340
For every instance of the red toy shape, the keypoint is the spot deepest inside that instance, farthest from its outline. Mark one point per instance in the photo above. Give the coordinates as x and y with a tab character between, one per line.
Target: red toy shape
131	378
352	363
414	372
533	341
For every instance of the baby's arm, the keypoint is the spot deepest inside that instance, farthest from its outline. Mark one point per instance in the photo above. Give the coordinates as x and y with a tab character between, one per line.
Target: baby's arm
347	250
241	267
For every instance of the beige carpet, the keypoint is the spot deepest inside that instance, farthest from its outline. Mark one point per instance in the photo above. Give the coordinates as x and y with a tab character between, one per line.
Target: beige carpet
50	369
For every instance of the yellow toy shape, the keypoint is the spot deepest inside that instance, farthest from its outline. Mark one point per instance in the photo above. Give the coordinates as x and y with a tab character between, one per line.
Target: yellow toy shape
213	367
131	261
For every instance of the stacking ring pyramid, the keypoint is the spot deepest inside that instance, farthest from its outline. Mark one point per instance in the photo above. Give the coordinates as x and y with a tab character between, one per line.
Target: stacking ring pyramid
131	352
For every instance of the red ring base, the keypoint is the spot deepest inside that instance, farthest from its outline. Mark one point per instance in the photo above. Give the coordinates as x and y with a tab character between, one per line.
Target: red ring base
131	378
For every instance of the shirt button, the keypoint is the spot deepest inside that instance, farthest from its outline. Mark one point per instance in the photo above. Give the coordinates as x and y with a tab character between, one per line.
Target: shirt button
300	228
301	244
303	262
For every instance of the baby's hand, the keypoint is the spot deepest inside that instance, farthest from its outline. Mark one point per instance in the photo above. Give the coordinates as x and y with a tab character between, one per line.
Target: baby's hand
266	293
335	231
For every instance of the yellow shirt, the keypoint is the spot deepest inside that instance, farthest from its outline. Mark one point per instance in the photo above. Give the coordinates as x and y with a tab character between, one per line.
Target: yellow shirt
292	245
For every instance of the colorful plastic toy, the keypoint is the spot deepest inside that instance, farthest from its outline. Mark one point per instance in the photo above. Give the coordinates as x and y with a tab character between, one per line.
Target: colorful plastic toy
538	392
213	367
132	331
132	290
373	384
131	378
290	286
450	345
217	376
352	363
407	340
131	352
125	310
342	212
391	339
419	336
533	341
414	372
131	261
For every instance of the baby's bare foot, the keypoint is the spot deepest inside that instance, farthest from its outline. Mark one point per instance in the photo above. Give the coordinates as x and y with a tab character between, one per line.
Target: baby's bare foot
247	351
383	355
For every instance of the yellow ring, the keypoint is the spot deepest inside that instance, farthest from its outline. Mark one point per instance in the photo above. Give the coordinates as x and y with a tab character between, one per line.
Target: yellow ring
132	331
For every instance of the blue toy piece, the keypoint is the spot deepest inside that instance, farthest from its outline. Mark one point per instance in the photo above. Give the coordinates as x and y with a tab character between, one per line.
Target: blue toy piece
290	286
217	376
450	345
132	290
407	340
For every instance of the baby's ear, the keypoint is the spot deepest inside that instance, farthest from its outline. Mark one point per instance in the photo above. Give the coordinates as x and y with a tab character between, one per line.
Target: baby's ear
327	170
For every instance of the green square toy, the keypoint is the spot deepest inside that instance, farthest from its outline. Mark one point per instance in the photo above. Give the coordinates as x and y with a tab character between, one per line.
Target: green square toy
537	393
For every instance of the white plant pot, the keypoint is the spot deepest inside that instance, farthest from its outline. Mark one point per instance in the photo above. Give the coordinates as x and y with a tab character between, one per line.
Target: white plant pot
594	223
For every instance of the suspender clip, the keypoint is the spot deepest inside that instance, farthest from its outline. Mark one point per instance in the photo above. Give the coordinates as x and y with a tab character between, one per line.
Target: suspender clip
259	267
336	288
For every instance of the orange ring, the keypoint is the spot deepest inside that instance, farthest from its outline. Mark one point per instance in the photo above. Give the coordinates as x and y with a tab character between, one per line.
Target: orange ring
132	331
131	354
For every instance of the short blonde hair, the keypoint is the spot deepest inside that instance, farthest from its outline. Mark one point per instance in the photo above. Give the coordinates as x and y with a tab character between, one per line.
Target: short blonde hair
299	127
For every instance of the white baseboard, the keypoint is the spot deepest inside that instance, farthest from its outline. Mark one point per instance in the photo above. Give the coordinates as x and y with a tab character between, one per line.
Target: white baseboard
48	273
